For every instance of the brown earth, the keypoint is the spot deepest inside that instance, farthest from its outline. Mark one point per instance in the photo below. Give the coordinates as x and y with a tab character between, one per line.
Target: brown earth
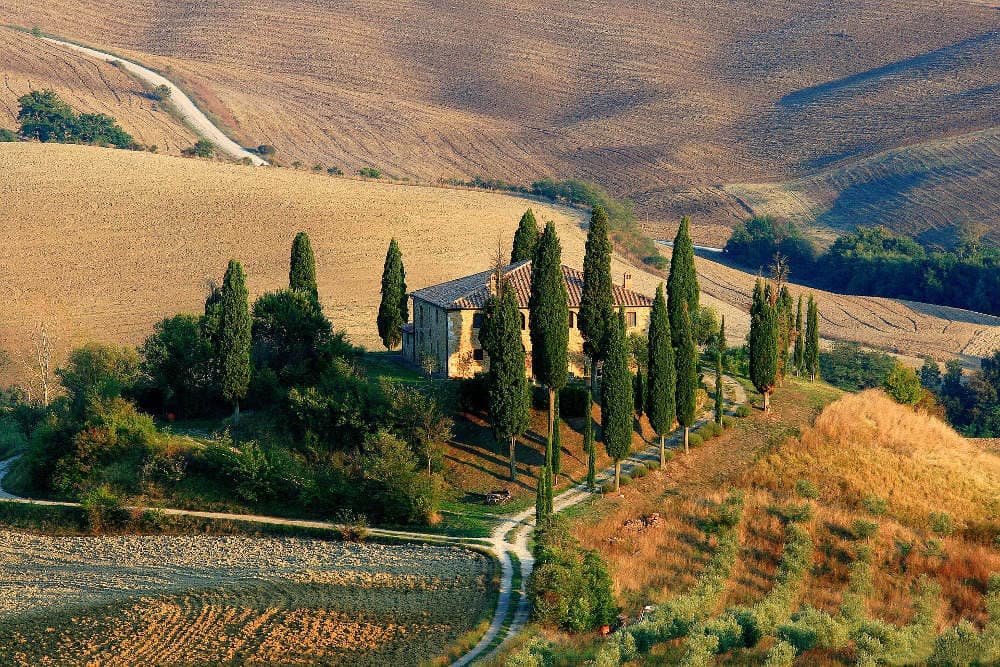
664	102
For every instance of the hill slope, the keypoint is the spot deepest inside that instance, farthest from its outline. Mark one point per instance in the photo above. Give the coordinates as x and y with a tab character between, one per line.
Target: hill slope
655	100
88	85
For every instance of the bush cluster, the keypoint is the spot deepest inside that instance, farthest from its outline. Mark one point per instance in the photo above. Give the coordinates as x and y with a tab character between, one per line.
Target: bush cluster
46	117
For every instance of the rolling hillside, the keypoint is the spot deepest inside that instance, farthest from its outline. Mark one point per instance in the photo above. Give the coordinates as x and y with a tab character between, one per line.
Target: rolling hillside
90	86
660	101
146	231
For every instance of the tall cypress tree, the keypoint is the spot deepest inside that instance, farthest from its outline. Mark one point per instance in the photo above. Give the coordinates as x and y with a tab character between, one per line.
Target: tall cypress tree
798	356
506	379
549	320
234	339
639	393
682	283
718	375
763	343
812	339
661	382
302	267
393	311
557	443
525	239
588	445
617	405
541	498
687	377
786	328
596	299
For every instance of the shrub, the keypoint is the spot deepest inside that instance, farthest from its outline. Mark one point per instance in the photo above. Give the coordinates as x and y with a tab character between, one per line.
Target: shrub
201	148
863	529
625	480
161	92
657	261
267	150
370	172
573	400
806	489
335	171
743	410
694	440
7	136
941	523
792	513
12	437
608	487
811	628
104	510
473	394
727	422
653	465
351	527
638	472
875	505
781	655
934	549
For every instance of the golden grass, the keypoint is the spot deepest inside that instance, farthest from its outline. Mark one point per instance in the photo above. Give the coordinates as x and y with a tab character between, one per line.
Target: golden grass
867	445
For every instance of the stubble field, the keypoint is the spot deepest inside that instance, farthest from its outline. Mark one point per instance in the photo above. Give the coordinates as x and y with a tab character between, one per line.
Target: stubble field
230	600
144	233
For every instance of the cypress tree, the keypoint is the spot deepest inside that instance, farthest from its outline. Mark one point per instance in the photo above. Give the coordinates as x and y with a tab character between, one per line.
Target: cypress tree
687	377
718	386
393	310
597	300
525	239
508	385
557	443
682	283
763	345
549	319
661	382
549	494
812	339
639	393
588	445
798	355
786	328
302	267
617	405
234	339
541	497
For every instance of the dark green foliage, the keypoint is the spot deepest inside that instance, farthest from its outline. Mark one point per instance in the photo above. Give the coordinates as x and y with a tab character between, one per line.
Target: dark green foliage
201	148
851	368
639	393
45	117
806	489
509	396
416	416
7	136
525	239
556	442
97	373
973	406
234	339
617	405
336	414
930	375
549	313
799	353
597	314
102	130
292	339
572	400
786	328
302	267
719	399
763	344
812	340
682	283
393	310
661	404
177	367
754	243
589	446
370	172
687	374
395	482
903	384
571	587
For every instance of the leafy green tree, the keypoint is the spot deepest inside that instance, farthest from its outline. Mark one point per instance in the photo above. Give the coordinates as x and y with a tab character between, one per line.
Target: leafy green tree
682	283
176	365
101	129
687	377
394	482
508	385
96	373
291	338
799	354
903	384
201	148
417	418
812	339
617	404
302	267
549	320
763	344
930	375
661	406
525	239
235	339
45	117
393	311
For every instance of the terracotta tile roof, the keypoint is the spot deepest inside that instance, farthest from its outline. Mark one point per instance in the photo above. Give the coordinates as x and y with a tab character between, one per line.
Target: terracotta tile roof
471	292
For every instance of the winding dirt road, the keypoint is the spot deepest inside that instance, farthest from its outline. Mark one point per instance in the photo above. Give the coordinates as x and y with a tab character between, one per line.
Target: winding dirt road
190	114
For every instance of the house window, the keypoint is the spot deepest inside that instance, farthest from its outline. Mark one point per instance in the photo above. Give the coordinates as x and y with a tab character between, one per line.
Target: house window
477	354
524	322
572	320
477	321
631	318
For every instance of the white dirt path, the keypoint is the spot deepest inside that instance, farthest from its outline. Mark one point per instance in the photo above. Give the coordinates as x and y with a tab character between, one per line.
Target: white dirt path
189	113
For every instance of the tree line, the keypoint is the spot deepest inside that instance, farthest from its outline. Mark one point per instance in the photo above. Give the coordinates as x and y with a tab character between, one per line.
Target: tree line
44	116
873	261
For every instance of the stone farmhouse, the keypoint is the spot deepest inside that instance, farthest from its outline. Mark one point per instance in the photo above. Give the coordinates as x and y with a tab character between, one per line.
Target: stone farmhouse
447	317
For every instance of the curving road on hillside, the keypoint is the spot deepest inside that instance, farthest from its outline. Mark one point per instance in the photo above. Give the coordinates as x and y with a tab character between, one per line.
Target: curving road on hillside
189	113
509	537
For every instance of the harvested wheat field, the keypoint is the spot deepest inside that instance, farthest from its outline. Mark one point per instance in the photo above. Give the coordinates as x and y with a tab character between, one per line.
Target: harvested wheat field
654	100
231	600
89	86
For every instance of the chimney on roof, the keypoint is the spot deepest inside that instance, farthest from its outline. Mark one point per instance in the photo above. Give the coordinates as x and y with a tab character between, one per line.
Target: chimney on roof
494	282
627	280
